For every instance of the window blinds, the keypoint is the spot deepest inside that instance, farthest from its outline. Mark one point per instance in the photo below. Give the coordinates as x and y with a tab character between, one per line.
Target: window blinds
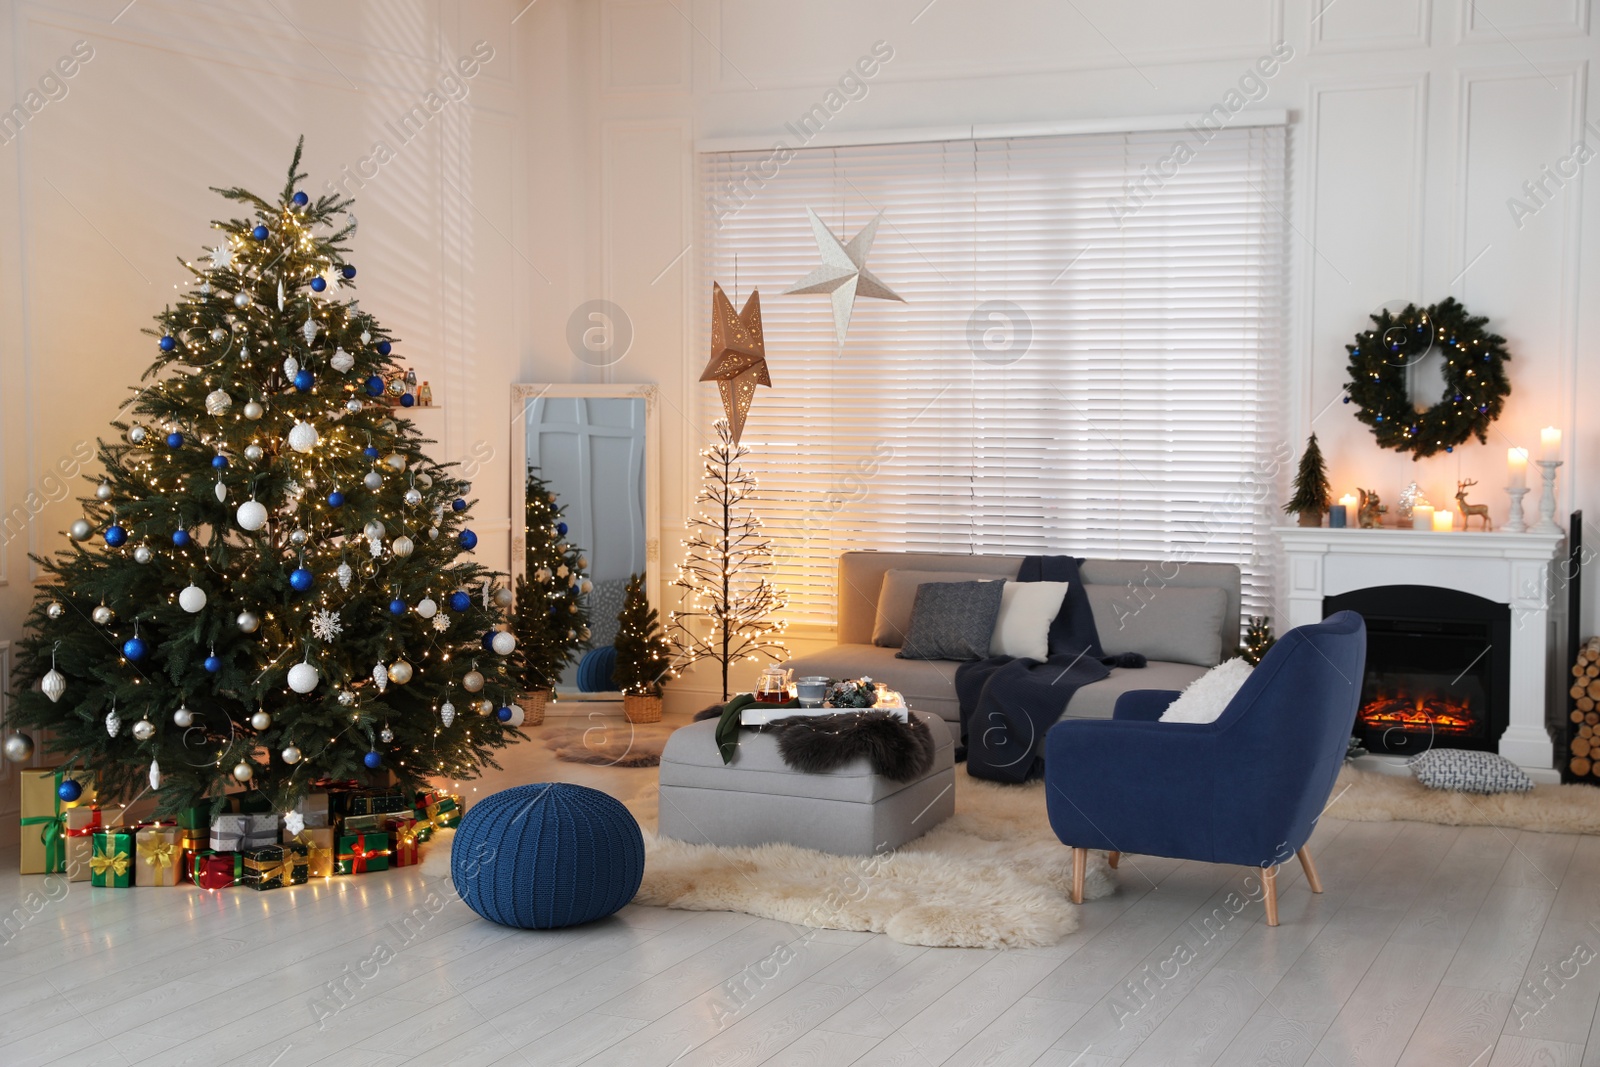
1088	361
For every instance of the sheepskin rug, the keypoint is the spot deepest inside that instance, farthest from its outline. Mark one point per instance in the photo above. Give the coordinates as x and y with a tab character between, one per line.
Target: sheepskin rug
991	876
1370	796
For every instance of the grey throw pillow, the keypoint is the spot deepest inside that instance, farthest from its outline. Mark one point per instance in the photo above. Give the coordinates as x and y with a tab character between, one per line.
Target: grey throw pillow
1172	623
952	620
1464	771
899	592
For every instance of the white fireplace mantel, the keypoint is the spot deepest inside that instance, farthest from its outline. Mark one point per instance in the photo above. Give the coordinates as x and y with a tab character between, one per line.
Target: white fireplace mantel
1516	569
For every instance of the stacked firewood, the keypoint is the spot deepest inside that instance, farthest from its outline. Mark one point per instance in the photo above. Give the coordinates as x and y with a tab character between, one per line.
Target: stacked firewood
1584	743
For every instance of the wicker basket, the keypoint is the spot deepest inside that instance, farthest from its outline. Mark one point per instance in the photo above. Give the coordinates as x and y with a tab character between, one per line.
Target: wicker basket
532	705
641	709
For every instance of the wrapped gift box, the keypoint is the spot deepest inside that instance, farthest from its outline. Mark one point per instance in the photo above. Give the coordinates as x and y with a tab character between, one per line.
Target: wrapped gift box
316	811
44	849
373	802
111	864
361	853
158	857
195	818
274	866
318	843
190	841
369	824
215	870
435	810
81	825
403	849
239	833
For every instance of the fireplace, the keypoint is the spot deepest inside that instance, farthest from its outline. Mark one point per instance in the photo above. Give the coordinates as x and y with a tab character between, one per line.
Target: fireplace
1438	668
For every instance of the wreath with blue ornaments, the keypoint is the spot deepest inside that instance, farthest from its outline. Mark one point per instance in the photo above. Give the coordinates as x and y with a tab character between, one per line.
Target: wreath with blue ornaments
1474	372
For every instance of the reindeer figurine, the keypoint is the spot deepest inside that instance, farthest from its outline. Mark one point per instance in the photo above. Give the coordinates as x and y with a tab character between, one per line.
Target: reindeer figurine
1469	510
1370	512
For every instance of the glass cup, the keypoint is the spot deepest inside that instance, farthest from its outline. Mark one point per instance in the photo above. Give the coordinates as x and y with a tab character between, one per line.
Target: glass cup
812	690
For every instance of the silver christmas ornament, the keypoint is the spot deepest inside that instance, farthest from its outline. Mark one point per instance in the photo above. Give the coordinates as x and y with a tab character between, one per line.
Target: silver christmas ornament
380	676
260	721
366	337
403	546
395	462
218	335
19	747
386	735
447	713
248	622
137	434
373	530
344	574
346	697
472	681
291	367
113	723
142	554
218	402
79	530
298	537
253	410
243	772
309	330
183	717
241	300
103	491
399	672
281	300
155	775
486	708
413	496
502	596
102	615
424	479
353	405
53	685
253	453
291	755
144	730
373	480
433	533
55	609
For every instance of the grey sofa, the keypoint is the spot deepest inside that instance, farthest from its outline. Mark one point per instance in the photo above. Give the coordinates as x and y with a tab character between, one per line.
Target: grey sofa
1127	597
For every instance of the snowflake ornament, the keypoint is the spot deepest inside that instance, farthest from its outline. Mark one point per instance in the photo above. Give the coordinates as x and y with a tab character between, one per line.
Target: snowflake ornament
441	622
375	546
294	822
222	256
325	625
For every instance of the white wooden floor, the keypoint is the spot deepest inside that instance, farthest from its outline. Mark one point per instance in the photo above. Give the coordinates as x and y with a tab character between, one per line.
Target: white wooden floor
1420	953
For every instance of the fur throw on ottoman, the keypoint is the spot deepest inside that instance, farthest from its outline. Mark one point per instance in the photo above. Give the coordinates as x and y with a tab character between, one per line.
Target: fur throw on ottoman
821	744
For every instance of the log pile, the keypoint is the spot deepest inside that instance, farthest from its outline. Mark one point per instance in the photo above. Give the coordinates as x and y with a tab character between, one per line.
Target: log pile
1584	737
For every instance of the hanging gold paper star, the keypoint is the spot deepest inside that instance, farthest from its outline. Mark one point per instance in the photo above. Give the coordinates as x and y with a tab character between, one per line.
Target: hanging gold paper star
738	355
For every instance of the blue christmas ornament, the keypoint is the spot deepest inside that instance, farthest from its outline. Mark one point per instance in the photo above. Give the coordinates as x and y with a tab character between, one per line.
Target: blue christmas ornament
370	452
1347	400
213	664
219	461
374	386
335	499
134	648
318	284
384	348
458	504
69	790
168	343
303	379
259	233
348	271
174	439
300	199
115	535
504	714
1380	418
181	538
468	539
1449	448
488	640
372	760
300	578
460	601
397	606
407	400
561	528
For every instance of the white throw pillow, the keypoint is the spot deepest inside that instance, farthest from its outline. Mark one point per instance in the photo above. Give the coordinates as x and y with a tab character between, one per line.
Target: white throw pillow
1208	696
1026	611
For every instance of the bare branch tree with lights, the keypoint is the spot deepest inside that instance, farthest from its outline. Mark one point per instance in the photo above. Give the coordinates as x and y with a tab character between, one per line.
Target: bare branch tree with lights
729	599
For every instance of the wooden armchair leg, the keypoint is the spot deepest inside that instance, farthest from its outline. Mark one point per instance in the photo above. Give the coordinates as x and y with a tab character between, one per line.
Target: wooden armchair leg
1114	858
1269	889
1080	867
1311	870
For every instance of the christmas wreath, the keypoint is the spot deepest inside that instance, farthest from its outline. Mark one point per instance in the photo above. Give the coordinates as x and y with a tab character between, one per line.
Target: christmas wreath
1474	372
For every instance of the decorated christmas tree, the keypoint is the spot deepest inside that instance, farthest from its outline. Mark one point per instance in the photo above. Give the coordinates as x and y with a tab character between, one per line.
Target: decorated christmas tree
1312	494
643	654
551	620
728	597
1257	639
267	587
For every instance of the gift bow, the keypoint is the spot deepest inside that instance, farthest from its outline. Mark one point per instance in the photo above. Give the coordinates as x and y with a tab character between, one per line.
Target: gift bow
314	851
158	853
359	856
86	831
103	862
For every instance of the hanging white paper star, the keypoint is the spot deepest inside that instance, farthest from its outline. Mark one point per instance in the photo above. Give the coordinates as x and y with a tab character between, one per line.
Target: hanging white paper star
844	272
222	256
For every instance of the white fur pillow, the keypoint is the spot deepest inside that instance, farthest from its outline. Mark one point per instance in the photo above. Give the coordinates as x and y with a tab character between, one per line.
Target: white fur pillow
1026	611
1207	697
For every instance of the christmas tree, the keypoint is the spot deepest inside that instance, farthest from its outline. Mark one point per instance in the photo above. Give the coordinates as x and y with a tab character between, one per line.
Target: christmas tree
1257	639
729	598
551	620
278	592
643	654
1312	494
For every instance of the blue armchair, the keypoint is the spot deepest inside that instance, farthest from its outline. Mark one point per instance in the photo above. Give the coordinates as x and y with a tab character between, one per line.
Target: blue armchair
1246	789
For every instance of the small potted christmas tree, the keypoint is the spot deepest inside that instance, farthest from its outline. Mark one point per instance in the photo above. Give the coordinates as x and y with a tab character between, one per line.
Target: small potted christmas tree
1312	494
643	655
550	621
1258	639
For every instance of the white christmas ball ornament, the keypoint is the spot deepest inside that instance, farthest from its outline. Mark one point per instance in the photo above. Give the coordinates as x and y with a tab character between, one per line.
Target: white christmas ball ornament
425	479
248	622
218	402
192	599
53	684
253	410
513	718
427	608
103	491
142	554
243	772
80	530
183	717
403	546
144	730
373	530
253	453
504	643
472	681
302	677
503	597
400	672
252	515
291	755
341	360
373	480
261	720
303	437
395	462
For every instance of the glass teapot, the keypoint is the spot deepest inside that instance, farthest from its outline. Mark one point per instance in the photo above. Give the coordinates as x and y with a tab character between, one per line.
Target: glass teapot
772	686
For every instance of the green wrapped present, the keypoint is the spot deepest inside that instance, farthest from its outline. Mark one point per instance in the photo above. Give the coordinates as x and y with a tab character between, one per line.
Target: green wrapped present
275	866
361	853
375	802
111	864
436	810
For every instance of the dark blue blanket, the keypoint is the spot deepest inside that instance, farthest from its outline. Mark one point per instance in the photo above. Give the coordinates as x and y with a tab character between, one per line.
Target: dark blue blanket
1009	704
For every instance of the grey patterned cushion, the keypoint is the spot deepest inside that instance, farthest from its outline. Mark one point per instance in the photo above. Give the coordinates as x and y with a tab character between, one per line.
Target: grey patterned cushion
1469	772
952	620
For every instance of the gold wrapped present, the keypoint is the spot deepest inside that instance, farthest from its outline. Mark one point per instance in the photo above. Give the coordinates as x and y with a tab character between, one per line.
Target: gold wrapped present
44	849
158	858
81	826
318	843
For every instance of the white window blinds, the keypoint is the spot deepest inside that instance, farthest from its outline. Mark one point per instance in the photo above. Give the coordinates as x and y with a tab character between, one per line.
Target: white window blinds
1076	369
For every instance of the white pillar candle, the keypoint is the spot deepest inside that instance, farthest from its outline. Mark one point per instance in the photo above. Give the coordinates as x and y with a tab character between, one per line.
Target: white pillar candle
1444	521
1549	443
1422	517
1517	467
1350	501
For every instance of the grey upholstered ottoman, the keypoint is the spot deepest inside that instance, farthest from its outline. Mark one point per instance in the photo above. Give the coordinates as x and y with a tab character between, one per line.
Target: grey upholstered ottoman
758	799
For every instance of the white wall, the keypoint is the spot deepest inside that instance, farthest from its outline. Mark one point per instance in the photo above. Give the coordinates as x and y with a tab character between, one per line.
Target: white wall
1413	122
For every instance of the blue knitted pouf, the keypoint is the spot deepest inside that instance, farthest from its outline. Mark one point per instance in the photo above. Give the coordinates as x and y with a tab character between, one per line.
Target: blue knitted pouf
548	855
595	670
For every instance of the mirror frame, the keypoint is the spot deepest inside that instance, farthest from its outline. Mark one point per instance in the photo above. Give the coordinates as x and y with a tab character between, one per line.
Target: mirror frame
524	393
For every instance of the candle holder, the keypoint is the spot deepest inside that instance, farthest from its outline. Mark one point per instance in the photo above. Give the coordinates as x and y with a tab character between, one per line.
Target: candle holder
1515	522
1547	497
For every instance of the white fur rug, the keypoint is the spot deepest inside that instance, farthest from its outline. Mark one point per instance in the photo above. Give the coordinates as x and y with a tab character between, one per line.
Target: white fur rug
1370	796
991	876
